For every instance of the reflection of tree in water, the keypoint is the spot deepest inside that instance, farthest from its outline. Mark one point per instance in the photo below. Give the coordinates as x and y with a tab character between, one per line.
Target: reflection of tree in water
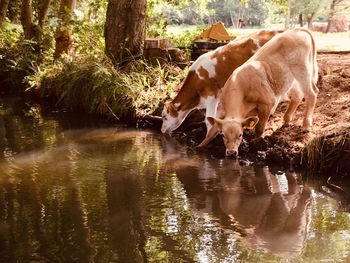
40	229
73	229
126	219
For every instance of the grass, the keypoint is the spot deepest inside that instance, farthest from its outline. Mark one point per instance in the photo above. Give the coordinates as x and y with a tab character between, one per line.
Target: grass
328	152
94	85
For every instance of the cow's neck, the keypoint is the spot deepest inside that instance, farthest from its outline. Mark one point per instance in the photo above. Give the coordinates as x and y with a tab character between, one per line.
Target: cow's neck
187	99
235	105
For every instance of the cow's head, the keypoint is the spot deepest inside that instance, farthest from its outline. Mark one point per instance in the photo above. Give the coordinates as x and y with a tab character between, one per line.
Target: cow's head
232	131
172	116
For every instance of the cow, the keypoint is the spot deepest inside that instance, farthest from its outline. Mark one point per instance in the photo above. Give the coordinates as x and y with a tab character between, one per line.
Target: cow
207	75
256	87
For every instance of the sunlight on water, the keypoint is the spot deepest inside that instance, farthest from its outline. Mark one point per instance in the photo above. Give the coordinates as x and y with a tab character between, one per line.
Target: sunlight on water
124	195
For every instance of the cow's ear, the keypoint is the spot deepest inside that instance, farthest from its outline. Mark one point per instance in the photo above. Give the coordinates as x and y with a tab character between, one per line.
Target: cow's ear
215	123
250	122
250	42
169	105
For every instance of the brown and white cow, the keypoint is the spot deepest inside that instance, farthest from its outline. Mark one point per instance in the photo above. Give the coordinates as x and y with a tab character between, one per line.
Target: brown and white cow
207	76
256	87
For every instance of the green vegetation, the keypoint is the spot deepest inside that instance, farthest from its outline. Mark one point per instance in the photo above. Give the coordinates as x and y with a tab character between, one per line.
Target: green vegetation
93	85
87	80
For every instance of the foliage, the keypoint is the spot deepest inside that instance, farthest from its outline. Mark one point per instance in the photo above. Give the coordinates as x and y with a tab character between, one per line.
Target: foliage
93	85
19	60
184	36
10	33
252	12
161	13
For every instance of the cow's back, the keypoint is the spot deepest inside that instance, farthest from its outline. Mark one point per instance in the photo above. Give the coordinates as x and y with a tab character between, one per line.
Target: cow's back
287	57
288	47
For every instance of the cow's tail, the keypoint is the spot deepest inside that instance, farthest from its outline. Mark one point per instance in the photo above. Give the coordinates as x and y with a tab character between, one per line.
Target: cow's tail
313	59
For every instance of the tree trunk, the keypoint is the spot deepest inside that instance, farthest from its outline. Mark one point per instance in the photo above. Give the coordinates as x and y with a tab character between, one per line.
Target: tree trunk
301	22
63	35
14	11
309	20
29	28
3	10
287	22
125	29
44	9
331	16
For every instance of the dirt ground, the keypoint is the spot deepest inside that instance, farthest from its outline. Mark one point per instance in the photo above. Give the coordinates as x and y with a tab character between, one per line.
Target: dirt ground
284	143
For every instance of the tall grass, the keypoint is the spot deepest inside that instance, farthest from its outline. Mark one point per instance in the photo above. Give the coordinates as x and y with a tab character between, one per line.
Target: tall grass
94	85
328	153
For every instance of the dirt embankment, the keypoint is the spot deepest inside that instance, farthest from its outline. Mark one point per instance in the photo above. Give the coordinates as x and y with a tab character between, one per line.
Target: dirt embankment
284	143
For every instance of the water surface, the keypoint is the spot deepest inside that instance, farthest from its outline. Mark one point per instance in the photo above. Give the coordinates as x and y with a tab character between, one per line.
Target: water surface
75	190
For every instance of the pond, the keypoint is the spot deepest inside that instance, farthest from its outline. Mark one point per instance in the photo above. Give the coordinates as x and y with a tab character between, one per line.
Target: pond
73	189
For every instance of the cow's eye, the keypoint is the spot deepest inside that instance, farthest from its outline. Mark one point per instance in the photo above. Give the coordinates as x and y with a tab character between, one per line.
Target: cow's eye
240	136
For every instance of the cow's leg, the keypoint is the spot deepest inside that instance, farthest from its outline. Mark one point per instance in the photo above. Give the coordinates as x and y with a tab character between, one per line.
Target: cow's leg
305	82
310	100
277	101
212	132
296	96
211	104
264	111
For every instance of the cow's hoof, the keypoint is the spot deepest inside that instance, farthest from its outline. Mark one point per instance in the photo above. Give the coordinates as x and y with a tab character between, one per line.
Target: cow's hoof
199	147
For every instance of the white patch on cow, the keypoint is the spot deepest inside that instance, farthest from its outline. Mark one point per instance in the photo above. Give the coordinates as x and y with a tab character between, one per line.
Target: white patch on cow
210	103
219	49
223	58
177	105
171	123
257	43
207	63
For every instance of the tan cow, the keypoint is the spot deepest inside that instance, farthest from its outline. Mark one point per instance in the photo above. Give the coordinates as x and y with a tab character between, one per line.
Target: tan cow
256	87
207	76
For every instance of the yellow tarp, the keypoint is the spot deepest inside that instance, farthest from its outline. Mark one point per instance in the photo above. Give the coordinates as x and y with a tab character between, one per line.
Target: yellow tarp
216	32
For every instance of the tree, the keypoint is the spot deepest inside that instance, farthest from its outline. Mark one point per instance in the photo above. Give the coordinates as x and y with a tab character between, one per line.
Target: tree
43	10
63	35
14	11
310	9
336	7
237	12
3	10
29	28
125	29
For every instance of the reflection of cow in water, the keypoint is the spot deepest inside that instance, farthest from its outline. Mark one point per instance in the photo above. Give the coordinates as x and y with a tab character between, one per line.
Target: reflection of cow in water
278	220
271	212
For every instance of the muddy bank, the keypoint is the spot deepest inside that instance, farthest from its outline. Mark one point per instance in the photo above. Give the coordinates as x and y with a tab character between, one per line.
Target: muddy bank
284	144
